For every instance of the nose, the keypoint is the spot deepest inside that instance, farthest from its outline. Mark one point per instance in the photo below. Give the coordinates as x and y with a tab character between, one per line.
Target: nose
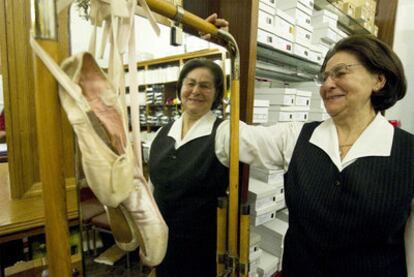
329	81
195	89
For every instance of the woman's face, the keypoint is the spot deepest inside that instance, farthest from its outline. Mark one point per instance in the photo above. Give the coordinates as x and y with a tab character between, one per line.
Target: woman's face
198	92
348	86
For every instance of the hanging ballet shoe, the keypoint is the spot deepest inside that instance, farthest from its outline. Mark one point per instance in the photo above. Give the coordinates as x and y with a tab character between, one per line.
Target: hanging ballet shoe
99	121
137	220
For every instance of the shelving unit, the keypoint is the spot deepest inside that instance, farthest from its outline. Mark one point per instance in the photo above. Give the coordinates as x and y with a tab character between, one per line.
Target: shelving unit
346	22
279	65
276	64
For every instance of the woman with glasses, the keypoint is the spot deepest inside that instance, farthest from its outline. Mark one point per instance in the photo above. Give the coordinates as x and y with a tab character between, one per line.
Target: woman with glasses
349	181
187	176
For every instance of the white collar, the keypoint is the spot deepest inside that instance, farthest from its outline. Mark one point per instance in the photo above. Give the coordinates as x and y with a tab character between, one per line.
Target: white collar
375	140
202	127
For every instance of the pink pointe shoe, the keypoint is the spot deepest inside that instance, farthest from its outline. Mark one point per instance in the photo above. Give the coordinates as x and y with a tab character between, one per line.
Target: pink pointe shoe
99	121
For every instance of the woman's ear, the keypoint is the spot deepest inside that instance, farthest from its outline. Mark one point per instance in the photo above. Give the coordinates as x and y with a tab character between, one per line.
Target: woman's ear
379	82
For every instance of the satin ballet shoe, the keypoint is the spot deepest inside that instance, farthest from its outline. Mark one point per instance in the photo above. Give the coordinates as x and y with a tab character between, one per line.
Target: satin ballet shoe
152	228
136	220
123	227
99	121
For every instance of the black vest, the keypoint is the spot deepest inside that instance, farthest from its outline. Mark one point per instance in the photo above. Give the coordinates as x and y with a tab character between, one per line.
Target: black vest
187	181
348	223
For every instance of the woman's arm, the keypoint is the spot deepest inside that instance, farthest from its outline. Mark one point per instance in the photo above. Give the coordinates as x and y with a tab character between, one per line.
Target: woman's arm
269	147
409	242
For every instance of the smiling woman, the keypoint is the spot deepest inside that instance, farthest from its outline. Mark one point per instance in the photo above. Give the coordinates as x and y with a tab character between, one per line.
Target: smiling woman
186	174
345	175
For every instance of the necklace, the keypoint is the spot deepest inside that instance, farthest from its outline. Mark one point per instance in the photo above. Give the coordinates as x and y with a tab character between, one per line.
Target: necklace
345	145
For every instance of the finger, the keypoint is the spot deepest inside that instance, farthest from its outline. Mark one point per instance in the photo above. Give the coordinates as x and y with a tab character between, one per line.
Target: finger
212	18
221	22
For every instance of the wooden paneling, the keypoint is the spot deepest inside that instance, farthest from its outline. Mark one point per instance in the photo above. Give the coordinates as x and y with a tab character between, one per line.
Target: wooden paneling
385	19
18	83
242	16
18	95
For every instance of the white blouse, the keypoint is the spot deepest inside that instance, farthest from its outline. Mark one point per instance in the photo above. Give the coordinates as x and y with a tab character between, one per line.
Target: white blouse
271	147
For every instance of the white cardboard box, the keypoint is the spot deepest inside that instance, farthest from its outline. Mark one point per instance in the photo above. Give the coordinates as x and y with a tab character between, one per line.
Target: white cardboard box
266	22
261	195
268	265
254	243
306	5
301	50
260	114
284	25
302	101
303	36
277	114
302	18
274	41
283	215
276	96
260	111
315	54
267	176
324	16
264	215
270	3
272	235
283	44
266	38
326	33
301	116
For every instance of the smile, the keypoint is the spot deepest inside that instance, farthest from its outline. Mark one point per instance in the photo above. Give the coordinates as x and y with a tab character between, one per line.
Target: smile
195	100
334	97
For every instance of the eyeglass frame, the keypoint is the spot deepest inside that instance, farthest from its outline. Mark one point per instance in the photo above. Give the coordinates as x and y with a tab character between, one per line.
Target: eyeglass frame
335	73
201	85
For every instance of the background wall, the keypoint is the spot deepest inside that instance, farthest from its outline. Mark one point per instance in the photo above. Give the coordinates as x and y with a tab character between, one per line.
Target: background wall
403	46
148	44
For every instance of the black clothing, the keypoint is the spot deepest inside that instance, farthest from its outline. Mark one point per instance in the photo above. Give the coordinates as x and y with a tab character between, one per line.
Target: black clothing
187	182
348	223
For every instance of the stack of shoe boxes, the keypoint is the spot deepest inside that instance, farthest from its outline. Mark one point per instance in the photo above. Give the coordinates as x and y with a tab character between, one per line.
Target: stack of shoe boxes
326	31
254	254
266	197
275	27
317	111
285	104
301	11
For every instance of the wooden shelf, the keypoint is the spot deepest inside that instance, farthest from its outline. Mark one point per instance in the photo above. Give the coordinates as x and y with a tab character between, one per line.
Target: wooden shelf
276	64
177	58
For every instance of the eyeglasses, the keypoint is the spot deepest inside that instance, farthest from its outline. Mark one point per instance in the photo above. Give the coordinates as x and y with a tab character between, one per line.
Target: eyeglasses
204	85
335	73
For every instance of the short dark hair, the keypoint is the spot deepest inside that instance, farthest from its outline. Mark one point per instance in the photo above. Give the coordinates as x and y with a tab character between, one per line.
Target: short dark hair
376	57
214	68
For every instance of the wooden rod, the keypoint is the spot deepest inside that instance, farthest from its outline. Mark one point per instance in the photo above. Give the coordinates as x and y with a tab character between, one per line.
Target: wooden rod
50	143
169	10
244	241
51	165
234	173
221	234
